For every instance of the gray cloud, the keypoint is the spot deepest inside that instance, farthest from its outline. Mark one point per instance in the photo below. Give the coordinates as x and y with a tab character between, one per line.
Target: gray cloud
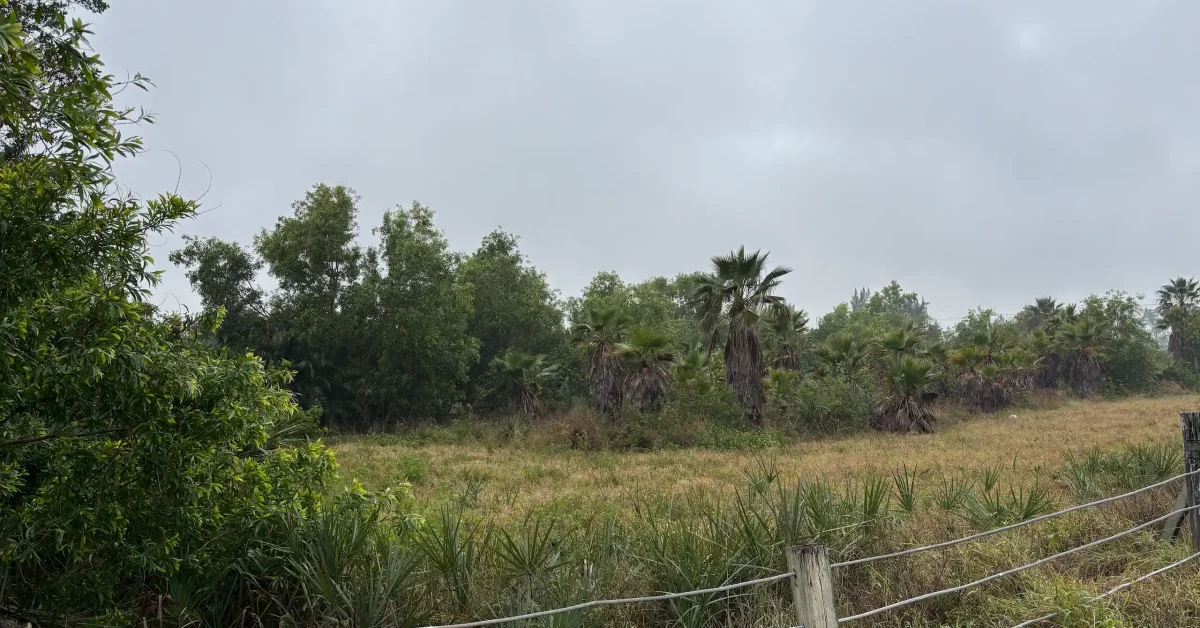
978	152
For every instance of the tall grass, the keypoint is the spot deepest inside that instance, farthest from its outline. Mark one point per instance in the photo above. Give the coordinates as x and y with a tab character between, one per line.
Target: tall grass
367	567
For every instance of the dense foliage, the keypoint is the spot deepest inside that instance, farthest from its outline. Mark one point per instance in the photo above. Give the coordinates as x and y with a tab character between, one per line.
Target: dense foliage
131	449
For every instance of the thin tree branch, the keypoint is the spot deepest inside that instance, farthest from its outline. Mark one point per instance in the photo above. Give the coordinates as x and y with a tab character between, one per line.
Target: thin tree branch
38	439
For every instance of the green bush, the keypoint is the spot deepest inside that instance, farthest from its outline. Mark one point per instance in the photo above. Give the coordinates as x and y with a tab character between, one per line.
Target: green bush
818	404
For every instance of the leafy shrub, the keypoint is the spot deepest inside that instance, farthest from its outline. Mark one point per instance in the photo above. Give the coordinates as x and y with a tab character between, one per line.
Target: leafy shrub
819	404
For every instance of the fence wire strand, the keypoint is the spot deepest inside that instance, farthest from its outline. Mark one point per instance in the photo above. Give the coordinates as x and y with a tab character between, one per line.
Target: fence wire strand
1036	563
985	534
860	561
628	600
1114	590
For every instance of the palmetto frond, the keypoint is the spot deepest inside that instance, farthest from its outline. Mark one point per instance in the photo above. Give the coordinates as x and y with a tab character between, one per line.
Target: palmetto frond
601	326
908	376
900	341
646	347
787	323
737	287
524	368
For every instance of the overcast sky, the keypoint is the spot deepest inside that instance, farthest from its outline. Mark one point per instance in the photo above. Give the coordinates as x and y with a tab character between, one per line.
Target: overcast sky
980	153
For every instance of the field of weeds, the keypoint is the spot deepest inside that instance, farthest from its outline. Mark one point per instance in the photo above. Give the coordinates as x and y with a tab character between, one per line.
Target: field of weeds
518	525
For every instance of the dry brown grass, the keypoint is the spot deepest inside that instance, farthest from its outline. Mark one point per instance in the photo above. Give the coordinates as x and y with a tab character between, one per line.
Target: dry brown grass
512	479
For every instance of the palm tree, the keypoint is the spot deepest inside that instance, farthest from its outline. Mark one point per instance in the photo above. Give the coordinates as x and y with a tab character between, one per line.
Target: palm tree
905	380
1176	302
1179	292
1081	342
1042	310
525	373
788	326
739	288
1044	343
650	352
601	330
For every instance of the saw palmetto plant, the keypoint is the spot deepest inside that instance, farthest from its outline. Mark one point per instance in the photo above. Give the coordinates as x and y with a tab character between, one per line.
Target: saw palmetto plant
906	380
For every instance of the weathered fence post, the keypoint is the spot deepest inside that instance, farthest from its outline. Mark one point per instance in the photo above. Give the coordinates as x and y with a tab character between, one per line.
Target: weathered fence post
1189	422
812	588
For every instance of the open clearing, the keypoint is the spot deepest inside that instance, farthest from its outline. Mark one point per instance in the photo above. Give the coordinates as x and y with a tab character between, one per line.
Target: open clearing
510	479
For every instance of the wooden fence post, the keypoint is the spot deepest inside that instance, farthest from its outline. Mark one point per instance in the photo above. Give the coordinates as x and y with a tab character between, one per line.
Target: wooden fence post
1189	422
812	588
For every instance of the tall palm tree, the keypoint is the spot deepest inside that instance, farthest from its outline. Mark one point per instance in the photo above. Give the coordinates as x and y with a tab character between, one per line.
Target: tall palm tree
600	332
905	380
788	326
739	288
650	353
1177	300
525	373
1081	344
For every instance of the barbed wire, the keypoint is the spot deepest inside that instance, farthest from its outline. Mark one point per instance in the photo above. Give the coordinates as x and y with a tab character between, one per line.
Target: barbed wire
628	600
985	534
1015	570
1114	590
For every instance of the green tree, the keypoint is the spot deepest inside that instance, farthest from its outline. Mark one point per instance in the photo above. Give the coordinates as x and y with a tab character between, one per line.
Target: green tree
224	275
313	257
514	306
658	303
413	313
740	289
1129	356
130	450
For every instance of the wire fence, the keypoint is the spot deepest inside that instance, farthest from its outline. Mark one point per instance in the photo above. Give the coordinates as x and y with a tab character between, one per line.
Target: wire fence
812	573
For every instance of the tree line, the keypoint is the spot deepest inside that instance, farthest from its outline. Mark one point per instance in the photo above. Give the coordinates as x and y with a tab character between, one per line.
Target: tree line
405	330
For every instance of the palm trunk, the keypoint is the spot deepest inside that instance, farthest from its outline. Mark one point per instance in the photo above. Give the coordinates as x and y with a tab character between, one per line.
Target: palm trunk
787	359
744	372
1085	375
604	380
1175	344
646	387
906	415
1048	376
527	403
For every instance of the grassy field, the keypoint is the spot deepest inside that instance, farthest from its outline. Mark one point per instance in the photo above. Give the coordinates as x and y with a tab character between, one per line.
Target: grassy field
513	477
516	521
